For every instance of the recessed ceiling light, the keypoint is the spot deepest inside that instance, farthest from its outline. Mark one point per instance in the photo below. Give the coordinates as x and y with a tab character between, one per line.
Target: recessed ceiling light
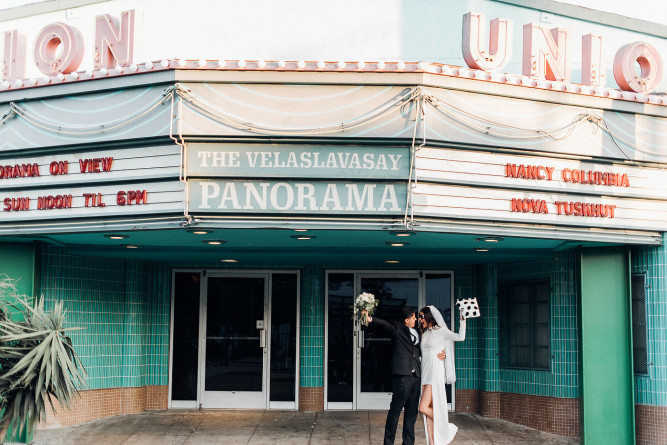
402	233
114	236
229	260
300	230
392	261
481	250
200	231
303	237
214	242
130	246
397	244
491	239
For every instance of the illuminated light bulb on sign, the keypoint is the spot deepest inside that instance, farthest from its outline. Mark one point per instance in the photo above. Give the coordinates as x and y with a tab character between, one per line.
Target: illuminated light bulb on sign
301	64
103	72
341	65
321	65
221	63
182	63
241	64
381	65
400	65
18	83
261	64
60	77
148	65
602	91
282	64
201	63
74	75
361	65
164	63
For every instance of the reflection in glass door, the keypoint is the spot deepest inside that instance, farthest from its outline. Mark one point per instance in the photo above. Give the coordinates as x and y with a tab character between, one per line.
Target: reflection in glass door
359	358
374	345
235	349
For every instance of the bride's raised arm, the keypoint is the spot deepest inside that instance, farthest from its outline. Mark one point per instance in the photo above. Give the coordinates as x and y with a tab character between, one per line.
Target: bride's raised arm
449	335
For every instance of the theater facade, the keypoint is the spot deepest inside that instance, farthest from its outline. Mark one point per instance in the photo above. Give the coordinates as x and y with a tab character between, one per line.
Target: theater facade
209	222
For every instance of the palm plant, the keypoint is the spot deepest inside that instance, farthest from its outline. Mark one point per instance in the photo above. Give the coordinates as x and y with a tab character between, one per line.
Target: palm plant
37	360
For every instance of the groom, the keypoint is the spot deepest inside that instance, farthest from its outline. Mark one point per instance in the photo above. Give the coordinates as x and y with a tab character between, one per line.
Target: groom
406	370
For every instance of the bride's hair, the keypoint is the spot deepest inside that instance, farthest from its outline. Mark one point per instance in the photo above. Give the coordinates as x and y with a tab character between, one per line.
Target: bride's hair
428	317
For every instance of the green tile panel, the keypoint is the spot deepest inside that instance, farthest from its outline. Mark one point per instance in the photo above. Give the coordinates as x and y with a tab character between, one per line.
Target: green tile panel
562	379
651	389
123	307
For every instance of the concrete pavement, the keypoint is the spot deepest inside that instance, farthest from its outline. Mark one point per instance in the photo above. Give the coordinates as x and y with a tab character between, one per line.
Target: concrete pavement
206	427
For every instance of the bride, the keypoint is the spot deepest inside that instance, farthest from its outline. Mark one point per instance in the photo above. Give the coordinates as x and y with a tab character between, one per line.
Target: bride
433	403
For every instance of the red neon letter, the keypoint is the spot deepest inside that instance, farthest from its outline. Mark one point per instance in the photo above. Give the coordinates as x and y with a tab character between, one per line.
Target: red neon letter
48	58
114	43
593	67
500	42
546	54
649	62
13	62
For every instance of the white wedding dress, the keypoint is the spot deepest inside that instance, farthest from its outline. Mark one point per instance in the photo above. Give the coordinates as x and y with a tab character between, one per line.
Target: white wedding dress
433	373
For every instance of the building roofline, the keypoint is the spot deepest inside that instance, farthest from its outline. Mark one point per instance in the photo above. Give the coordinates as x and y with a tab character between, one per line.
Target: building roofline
45	7
360	73
592	15
562	9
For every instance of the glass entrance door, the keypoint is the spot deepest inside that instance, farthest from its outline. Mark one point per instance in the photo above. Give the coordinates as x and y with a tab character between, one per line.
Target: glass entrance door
359	358
234	345
374	348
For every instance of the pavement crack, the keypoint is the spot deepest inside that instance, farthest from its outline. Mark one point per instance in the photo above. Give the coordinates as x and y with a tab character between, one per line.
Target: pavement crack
483	429
261	419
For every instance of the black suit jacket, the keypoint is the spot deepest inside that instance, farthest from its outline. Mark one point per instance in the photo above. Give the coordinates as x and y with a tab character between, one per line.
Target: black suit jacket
406	357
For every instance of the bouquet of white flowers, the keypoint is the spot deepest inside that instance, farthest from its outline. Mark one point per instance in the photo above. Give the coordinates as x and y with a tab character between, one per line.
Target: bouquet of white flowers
369	303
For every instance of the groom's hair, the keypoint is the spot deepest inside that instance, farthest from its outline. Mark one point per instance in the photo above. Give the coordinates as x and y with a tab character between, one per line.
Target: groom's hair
405	312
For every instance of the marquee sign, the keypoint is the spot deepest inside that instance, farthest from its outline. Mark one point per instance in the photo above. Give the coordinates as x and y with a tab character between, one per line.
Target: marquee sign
297	161
124	182
299	197
538	190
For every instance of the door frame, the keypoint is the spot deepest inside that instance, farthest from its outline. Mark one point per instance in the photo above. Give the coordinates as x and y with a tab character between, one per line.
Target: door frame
203	290
233	399
358	273
378	400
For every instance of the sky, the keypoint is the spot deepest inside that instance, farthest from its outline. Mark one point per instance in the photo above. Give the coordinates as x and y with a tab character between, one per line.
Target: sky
651	10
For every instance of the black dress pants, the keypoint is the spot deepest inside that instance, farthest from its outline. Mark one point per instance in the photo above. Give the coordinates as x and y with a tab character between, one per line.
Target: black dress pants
406	390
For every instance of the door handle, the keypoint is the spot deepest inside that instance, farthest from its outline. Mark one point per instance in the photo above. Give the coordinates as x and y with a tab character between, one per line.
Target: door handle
360	339
262	338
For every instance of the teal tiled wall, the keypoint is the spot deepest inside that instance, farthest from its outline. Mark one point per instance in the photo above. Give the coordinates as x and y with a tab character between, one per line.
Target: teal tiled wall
561	379
651	389
312	327
123	308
